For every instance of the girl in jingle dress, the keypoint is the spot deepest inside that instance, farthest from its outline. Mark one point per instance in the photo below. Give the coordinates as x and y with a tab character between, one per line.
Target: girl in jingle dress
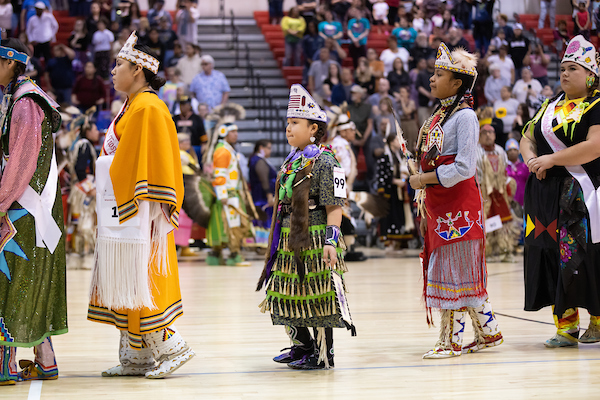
304	267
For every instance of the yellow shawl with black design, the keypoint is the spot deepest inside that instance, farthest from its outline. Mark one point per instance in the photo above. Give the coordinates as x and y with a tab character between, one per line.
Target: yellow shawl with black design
147	163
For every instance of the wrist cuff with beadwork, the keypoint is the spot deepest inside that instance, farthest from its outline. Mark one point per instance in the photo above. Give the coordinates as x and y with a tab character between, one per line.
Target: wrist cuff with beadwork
332	235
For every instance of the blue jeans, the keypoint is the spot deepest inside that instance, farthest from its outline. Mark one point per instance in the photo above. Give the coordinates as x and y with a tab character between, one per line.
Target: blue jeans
293	54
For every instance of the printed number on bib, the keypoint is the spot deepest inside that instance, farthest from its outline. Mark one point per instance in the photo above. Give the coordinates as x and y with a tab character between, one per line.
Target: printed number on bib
109	211
339	183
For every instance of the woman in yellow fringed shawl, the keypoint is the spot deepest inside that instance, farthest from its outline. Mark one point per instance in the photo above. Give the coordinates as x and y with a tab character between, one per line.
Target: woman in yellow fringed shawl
135	282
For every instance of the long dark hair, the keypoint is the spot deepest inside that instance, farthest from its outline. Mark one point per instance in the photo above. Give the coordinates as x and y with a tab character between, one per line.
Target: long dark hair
260	143
155	81
19	67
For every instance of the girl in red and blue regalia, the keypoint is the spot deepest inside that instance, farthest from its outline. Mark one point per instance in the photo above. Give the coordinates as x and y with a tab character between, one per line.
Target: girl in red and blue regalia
454	270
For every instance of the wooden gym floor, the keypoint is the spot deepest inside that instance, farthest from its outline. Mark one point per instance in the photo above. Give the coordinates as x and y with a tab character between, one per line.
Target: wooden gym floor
234	344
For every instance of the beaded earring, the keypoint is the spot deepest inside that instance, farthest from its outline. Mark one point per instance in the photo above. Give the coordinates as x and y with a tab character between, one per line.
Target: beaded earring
589	81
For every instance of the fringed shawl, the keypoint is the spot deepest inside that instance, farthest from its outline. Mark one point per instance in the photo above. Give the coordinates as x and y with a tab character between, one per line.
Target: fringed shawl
147	165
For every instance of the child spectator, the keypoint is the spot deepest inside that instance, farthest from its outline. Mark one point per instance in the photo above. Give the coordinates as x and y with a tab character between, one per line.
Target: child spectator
102	41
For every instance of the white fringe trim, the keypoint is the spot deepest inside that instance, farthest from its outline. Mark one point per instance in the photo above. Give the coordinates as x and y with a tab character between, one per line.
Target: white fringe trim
121	277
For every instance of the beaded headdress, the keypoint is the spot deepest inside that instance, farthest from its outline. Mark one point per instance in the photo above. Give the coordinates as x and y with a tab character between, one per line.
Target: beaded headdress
582	52
138	57
302	105
459	60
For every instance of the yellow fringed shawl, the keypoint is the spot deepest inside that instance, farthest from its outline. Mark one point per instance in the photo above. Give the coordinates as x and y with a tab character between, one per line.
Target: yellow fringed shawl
147	163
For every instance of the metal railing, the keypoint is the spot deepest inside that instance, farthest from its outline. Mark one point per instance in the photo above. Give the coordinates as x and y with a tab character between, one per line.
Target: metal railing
222	14
269	111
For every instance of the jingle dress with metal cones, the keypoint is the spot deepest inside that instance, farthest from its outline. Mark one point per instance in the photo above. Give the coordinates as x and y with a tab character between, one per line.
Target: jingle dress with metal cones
304	298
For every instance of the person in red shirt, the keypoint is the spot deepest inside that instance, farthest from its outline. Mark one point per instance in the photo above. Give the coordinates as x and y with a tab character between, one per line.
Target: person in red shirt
89	90
583	20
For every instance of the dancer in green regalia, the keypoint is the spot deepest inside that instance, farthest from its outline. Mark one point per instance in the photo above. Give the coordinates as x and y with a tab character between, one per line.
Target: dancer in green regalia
304	267
33	303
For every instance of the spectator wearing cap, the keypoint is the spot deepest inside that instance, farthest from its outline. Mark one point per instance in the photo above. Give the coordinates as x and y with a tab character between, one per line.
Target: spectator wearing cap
28	10
188	122
494	84
41	30
190	64
519	50
157	12
504	63
210	86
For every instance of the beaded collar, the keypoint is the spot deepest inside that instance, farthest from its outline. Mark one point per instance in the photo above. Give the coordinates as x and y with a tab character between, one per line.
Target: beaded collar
447	102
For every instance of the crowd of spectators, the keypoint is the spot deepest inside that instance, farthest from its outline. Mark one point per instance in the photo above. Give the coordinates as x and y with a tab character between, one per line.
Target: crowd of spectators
513	68
77	73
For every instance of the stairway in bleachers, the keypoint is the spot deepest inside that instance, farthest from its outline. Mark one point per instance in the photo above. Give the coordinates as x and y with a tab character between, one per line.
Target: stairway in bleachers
261	122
